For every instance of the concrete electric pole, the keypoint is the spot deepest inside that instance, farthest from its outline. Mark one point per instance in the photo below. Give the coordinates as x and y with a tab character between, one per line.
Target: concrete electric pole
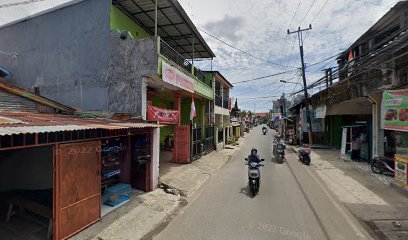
300	37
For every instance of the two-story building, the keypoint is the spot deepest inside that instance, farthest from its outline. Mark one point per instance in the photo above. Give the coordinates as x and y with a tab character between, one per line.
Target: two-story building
222	107
162	68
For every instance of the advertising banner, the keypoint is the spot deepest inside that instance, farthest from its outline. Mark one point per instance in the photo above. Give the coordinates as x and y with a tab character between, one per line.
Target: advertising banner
401	162
177	78
162	115
394	112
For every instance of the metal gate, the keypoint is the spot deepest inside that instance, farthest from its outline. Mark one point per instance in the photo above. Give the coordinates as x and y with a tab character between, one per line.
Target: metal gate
196	149
209	138
78	187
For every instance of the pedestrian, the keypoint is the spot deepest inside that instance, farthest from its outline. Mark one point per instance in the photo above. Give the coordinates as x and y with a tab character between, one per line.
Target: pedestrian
356	147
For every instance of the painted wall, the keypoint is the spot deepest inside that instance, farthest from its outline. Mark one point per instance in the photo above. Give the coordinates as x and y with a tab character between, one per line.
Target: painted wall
186	109
130	61
121	22
64	53
164	102
26	169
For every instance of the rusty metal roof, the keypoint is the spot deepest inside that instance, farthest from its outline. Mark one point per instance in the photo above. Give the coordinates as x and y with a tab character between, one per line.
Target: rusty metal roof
12	123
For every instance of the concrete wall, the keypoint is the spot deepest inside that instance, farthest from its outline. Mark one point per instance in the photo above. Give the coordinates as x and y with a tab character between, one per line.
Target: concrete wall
64	53
130	61
26	169
155	157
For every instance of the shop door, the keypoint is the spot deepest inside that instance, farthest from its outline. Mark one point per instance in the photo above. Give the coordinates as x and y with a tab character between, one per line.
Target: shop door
181	151
78	187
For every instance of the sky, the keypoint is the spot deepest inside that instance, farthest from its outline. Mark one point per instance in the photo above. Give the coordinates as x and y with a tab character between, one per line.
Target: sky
259	27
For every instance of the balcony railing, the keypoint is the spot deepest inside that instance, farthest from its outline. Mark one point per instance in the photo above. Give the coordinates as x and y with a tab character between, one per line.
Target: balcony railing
167	51
171	54
200	75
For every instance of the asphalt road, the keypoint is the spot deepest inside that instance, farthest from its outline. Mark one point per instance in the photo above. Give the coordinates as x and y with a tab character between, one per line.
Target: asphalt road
292	203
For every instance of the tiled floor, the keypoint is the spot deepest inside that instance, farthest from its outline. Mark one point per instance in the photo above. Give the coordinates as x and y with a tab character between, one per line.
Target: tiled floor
386	179
23	227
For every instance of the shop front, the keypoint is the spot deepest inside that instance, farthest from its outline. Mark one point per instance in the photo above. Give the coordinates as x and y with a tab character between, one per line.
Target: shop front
394	116
60	174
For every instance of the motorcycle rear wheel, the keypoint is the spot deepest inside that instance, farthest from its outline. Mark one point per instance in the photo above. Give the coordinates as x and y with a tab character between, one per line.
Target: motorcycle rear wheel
376	167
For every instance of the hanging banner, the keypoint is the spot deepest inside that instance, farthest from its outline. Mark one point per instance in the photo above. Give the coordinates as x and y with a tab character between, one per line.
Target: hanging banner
162	115
177	78
394	112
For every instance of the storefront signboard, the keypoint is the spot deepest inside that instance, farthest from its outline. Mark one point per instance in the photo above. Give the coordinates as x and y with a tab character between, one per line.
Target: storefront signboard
162	115
394	112
177	78
321	112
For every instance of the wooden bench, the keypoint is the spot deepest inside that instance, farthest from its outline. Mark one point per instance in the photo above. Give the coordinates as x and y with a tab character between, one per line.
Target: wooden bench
24	204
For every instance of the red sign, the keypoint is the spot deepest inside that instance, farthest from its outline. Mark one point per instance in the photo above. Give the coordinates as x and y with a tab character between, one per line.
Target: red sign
177	78
162	115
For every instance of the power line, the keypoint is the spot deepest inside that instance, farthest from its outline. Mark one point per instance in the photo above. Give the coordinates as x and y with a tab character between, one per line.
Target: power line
286	36
240	50
293	17
321	9
324	60
258	78
311	5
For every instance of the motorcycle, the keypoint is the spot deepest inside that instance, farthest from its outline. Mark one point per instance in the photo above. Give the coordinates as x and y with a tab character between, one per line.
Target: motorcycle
382	165
264	130
279	152
254	176
304	154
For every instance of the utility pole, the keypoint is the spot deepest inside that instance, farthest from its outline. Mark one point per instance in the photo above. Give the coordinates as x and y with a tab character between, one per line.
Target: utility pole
155	18
300	37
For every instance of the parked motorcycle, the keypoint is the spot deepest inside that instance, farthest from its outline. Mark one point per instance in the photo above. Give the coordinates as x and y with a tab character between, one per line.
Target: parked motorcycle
382	165
254	176
304	154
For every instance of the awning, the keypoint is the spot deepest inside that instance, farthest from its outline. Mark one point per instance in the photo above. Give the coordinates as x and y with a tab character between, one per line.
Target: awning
173	25
30	123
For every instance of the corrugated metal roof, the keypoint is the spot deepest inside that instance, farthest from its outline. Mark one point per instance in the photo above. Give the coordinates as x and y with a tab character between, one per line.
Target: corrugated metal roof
41	123
174	26
4	120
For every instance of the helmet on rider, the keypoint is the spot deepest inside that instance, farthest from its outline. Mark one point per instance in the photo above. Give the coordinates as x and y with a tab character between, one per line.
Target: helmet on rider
254	152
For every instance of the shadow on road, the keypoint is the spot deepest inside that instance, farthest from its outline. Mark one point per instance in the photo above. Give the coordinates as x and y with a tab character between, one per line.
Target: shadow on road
275	161
245	190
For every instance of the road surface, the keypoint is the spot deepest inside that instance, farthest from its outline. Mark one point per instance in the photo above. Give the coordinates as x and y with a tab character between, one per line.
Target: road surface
292	203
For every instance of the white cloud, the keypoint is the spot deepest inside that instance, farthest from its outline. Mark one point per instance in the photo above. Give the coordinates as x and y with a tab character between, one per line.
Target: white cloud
259	27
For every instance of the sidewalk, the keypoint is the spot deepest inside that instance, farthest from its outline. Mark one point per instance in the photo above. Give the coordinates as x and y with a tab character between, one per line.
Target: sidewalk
185	179
367	195
145	212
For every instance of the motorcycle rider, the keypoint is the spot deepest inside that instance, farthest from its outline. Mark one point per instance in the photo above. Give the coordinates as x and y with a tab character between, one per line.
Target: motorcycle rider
264	129
254	157
276	141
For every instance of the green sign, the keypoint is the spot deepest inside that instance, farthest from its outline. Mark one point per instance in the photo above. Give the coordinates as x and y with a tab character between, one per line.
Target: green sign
395	110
